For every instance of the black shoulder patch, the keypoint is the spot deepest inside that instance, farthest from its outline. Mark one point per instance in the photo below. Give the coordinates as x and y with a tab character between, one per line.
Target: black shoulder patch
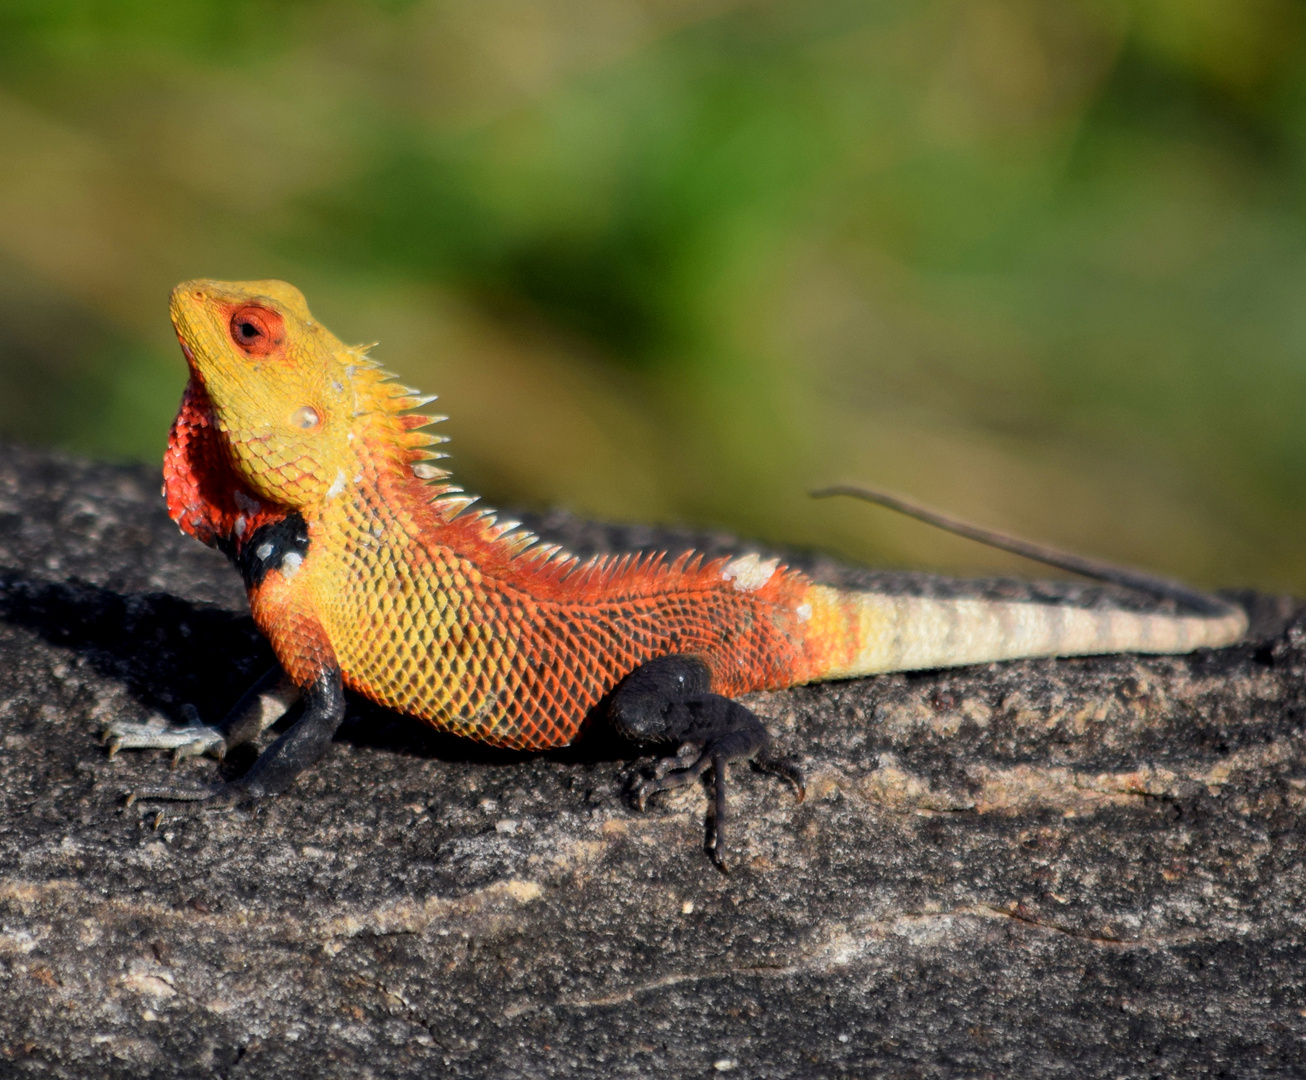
269	546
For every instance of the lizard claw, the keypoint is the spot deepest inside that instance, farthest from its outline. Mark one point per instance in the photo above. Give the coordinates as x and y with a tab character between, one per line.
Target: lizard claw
786	769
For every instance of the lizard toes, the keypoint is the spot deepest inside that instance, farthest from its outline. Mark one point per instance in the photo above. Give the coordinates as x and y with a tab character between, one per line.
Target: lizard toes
184	740
215	795
643	788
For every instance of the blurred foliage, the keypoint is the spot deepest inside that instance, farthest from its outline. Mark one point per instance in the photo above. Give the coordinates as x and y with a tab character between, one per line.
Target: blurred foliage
1040	262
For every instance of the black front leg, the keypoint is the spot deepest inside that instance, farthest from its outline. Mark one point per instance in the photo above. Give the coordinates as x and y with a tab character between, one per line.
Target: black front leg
669	701
294	751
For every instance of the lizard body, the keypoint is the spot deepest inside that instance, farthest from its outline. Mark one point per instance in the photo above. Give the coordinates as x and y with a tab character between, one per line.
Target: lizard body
302	460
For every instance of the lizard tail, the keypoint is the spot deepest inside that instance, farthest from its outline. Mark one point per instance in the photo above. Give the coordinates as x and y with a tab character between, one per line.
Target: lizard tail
866	633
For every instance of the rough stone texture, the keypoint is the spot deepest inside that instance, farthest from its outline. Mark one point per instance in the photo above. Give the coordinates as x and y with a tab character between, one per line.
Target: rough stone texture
1082	868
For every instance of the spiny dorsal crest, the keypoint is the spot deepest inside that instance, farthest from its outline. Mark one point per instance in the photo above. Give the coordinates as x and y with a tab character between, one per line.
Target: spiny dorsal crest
378	392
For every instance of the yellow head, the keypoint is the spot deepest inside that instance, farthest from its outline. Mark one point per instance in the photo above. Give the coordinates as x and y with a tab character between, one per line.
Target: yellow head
288	398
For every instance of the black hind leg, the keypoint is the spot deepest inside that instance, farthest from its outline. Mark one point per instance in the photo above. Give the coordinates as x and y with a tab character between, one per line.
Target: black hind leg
668	701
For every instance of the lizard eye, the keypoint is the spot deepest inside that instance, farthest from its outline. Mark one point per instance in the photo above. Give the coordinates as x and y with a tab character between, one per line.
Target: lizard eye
256	331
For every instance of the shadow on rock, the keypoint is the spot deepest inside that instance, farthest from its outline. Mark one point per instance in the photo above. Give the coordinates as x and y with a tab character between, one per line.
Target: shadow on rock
167	651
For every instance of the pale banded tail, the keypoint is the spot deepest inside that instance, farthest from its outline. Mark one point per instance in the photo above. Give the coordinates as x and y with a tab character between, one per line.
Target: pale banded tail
905	633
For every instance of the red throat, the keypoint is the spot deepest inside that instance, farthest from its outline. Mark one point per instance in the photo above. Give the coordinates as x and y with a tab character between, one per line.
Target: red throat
202	490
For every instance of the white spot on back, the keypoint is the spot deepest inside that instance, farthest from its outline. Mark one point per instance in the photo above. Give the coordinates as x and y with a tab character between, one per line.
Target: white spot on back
749	572
337	485
263	551
804	611
241	523
290	564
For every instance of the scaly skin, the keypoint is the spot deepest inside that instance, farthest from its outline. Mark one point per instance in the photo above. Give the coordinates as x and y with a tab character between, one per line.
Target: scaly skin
426	606
445	613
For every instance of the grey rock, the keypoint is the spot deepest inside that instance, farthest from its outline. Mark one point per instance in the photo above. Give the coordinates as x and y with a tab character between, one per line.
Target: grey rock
1078	868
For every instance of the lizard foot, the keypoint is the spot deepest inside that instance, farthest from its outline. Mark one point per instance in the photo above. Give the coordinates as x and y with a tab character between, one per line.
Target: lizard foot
262	705
677	778
668	700
713	844
188	740
295	749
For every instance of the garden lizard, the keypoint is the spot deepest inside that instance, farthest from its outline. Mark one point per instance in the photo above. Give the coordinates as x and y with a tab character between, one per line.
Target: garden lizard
368	570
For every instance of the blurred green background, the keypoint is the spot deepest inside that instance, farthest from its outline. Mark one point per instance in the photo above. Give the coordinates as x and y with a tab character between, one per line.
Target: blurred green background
1042	264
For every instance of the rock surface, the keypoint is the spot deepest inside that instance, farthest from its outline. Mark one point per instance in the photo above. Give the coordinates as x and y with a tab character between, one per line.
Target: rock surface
1078	868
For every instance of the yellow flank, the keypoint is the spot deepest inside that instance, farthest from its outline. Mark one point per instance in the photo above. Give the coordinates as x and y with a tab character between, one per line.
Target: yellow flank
411	627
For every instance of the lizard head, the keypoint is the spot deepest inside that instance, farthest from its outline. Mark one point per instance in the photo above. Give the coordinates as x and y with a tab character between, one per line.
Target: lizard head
287	398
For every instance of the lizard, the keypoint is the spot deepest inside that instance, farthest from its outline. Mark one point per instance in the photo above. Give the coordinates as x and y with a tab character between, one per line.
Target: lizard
368	569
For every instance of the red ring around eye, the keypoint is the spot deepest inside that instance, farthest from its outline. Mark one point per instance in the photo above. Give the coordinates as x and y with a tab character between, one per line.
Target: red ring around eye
256	331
